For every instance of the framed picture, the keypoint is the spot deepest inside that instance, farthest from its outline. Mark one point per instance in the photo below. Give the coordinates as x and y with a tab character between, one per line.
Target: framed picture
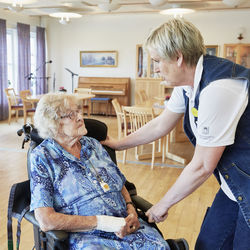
98	58
212	50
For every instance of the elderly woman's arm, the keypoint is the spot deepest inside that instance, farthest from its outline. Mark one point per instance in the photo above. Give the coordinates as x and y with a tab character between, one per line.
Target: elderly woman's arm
132	222
49	219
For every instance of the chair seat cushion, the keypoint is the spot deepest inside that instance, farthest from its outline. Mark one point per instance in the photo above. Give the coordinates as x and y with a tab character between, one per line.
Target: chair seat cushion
17	106
31	110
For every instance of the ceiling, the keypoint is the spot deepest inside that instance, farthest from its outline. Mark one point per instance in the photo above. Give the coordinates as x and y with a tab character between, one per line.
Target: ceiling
92	7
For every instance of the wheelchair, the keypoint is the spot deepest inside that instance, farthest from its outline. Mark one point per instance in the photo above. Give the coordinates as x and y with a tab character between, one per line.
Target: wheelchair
20	197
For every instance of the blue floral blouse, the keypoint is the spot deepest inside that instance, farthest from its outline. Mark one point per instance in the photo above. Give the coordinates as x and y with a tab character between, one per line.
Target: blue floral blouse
72	186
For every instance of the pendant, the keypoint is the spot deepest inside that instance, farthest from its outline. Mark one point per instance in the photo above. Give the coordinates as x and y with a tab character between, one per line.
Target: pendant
104	186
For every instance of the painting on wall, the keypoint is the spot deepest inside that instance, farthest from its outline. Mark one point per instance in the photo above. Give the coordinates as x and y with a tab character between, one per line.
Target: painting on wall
98	58
212	50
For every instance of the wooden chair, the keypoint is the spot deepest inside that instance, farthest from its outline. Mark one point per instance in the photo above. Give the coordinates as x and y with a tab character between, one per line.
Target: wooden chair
120	123
119	115
143	99
13	103
138	117
86	104
28	106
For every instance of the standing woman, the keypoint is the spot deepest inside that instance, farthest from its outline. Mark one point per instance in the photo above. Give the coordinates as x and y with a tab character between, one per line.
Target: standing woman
213	95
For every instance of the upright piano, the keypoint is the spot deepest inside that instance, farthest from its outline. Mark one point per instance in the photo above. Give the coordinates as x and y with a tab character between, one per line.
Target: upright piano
113	87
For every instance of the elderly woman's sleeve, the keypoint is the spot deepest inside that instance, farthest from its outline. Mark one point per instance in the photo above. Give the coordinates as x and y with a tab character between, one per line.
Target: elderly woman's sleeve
41	184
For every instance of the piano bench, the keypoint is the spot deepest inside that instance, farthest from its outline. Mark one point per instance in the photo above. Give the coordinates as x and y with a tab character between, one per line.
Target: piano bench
106	100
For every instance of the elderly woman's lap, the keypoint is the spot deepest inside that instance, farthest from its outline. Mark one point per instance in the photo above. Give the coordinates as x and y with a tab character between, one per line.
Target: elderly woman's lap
145	237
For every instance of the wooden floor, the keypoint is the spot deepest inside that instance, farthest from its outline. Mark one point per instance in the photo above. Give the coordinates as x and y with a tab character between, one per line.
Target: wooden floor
184	219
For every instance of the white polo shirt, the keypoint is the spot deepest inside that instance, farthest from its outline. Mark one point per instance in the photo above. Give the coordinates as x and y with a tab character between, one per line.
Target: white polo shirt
221	105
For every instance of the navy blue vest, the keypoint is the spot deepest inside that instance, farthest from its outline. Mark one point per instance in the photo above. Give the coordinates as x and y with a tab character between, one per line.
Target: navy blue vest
234	164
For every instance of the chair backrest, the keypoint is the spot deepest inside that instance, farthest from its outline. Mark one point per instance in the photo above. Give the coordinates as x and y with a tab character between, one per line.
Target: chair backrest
25	93
82	90
137	116
142	96
26	103
12	97
117	106
119	115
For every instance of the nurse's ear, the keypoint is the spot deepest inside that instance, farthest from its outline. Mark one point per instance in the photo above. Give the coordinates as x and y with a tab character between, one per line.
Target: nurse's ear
179	59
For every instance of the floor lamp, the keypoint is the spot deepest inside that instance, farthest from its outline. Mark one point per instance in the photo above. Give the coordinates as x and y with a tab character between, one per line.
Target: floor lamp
72	75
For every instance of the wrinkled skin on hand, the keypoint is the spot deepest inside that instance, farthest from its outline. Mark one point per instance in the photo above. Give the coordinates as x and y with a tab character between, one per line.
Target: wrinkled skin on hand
132	224
157	213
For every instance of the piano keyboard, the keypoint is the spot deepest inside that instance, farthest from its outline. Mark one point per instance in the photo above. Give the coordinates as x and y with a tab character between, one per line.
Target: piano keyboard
108	92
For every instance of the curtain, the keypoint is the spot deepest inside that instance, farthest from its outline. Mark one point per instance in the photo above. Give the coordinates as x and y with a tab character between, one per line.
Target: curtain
23	36
3	70
41	83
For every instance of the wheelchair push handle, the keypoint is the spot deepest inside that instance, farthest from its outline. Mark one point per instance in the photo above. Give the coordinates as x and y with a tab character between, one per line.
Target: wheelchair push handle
26	130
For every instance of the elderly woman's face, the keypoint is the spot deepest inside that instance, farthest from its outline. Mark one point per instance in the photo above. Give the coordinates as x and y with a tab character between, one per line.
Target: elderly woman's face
72	123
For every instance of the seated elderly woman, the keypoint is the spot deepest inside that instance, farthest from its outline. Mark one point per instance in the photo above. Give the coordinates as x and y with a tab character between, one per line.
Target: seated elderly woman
76	187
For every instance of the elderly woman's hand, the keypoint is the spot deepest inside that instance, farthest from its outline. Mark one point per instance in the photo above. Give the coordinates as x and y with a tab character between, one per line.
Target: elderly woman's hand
132	224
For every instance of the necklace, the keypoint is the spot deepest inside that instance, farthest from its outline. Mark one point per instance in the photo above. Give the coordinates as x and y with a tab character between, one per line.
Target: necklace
104	185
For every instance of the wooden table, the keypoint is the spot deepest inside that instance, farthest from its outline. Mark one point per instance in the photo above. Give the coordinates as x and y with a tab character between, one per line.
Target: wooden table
34	98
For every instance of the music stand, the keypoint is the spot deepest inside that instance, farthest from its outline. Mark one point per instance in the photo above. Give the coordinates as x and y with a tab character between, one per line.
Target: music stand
72	75
32	76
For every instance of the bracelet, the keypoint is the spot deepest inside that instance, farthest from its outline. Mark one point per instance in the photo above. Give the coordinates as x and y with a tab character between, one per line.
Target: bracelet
131	203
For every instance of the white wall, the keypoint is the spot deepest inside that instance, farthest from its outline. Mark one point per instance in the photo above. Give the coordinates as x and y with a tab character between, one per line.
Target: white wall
122	33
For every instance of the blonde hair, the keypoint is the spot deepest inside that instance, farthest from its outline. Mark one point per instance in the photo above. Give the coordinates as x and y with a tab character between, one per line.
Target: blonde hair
49	111
177	36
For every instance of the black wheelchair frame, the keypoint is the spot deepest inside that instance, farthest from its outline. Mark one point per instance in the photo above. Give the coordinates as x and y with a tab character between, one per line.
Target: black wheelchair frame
58	240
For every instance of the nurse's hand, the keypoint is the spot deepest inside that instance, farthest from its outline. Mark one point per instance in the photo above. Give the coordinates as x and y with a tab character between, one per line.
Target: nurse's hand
157	213
110	142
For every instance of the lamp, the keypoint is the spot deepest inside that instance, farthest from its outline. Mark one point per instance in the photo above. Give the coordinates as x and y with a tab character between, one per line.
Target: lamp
176	11
232	3
241	33
17	5
109	6
65	16
157	2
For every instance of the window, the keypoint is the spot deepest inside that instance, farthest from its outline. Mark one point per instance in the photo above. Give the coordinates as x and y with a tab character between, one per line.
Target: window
12	58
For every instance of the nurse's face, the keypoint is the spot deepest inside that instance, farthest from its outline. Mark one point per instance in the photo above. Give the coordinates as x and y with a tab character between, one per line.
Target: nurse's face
169	70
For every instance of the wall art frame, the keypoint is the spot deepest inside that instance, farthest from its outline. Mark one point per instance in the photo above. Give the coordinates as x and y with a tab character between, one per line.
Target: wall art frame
212	50
99	58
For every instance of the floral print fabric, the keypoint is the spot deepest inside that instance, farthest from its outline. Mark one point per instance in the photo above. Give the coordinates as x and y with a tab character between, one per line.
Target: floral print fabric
72	186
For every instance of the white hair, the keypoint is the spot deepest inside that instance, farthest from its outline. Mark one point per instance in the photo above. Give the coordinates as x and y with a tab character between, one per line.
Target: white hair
49	111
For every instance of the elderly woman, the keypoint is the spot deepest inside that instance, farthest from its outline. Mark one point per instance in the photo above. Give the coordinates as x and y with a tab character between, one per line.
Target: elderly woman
76	187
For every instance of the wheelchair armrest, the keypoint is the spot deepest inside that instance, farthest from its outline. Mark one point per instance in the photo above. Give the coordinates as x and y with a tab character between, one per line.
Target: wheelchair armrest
57	235
141	203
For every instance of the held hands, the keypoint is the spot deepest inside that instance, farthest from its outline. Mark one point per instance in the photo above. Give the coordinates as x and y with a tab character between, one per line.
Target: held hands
157	213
